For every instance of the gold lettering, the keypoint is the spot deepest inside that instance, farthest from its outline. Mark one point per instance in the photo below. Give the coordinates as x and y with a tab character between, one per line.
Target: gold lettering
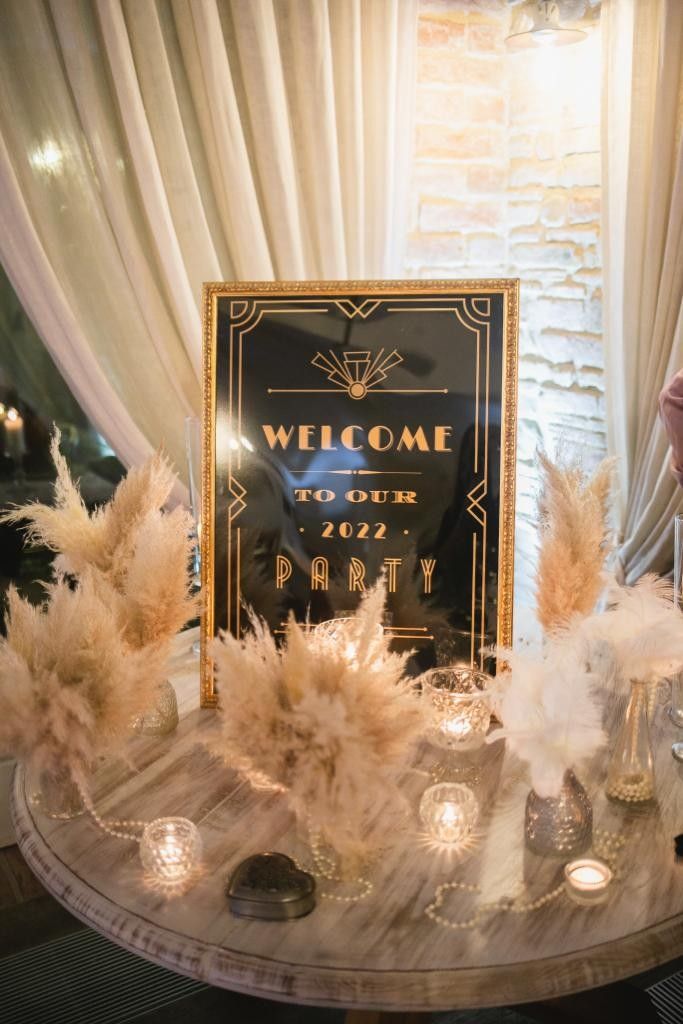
441	434
380	438
302	494
405	497
374	438
279	436
324	495
326	439
409	440
346	438
427	565
320	573
283	570
392	565
356	496
305	431
356	574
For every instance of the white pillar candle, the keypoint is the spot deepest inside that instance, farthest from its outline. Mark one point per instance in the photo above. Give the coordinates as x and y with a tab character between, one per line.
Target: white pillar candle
14	435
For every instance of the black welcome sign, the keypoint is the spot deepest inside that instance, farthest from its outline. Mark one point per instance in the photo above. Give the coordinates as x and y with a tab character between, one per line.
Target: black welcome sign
358	427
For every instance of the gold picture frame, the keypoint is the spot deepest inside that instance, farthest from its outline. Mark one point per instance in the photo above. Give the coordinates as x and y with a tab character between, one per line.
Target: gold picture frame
483	307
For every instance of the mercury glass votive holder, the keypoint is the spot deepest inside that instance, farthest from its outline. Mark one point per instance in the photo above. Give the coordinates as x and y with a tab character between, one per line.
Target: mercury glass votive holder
449	812
170	849
460	706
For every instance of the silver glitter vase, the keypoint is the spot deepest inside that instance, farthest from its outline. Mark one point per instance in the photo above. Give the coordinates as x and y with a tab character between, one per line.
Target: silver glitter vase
561	825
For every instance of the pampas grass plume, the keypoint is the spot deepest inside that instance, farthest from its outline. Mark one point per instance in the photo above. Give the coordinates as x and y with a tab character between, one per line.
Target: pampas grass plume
70	686
575	540
332	723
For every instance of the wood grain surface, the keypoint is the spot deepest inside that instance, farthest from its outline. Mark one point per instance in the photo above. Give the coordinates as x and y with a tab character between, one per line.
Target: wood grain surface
382	952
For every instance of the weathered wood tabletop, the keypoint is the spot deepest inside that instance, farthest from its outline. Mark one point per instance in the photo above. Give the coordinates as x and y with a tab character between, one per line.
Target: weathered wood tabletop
381	952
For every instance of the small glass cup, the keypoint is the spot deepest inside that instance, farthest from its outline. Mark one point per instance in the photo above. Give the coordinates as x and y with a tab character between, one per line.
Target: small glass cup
449	812
460	706
170	849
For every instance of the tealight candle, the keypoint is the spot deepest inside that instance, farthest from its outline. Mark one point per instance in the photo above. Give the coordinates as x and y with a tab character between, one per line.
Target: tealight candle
170	849
587	881
449	812
461	711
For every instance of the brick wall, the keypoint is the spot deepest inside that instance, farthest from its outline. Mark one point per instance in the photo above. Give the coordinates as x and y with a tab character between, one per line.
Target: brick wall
506	183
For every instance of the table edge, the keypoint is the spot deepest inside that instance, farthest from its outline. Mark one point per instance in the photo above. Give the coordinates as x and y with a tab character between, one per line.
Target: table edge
390	990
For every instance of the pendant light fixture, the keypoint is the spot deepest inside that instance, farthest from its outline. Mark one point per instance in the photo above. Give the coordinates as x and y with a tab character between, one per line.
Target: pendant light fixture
546	29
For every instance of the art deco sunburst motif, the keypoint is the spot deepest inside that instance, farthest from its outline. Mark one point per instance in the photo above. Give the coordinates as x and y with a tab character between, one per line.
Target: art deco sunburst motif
356	372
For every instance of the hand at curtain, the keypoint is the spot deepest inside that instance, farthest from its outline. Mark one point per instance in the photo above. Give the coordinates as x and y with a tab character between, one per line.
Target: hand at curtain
671	411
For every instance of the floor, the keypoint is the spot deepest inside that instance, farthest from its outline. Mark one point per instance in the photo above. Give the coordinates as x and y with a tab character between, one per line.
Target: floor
54	970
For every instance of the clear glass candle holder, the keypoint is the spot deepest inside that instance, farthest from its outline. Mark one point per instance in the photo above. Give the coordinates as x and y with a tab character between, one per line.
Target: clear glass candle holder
587	881
170	849
449	811
460	706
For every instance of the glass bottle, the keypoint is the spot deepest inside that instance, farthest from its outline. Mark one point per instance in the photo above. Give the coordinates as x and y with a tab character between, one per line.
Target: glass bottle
631	775
676	709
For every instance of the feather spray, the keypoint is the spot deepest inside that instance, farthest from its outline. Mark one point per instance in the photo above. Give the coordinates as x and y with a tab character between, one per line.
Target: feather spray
642	631
550	712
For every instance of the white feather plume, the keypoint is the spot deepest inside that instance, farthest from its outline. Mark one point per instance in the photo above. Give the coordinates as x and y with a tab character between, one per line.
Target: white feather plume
643	630
550	712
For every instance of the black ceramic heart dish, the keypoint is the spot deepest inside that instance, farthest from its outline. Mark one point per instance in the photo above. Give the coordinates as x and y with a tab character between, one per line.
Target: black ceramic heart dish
270	886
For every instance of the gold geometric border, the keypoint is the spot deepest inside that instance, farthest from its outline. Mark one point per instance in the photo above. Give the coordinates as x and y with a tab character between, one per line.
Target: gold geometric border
507	287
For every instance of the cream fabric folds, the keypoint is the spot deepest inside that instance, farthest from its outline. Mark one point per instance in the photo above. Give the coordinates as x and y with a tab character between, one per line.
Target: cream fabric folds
147	146
643	262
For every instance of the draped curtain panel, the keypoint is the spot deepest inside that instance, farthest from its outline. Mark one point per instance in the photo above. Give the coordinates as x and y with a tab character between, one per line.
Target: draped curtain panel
147	146
643	263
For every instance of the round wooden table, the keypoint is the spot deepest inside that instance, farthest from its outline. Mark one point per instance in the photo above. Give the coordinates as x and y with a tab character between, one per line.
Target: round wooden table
383	951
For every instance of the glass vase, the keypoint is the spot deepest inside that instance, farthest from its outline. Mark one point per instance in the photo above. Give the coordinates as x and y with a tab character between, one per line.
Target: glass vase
676	709
561	825
631	775
162	719
57	796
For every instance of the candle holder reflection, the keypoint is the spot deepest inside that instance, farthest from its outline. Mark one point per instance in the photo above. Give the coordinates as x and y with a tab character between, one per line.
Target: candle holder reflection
449	812
461	706
587	881
170	849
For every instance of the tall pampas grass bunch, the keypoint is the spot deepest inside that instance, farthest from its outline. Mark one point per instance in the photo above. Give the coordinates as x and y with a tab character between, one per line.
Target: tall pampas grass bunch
77	671
70	685
137	555
575	540
328	717
550	712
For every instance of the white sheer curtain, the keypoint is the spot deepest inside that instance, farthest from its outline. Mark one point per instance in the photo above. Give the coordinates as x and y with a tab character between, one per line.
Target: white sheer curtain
147	146
643	262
